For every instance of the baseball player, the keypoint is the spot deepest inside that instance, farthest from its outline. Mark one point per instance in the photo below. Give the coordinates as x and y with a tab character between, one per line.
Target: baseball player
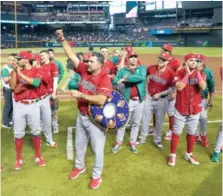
159	87
7	91
188	81
124	57
42	62
132	78
206	102
25	80
95	87
174	64
115	56
219	141
60	77
108	66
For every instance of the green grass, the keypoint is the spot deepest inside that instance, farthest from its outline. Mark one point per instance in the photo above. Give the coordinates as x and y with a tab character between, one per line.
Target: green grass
125	173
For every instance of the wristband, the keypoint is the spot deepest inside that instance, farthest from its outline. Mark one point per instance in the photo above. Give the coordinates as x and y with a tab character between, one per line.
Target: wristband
185	79
83	96
199	77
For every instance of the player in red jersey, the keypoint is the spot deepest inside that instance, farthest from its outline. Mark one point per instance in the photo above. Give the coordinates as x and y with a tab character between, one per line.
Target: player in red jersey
159	87
94	88
108	66
174	64
189	82
25	81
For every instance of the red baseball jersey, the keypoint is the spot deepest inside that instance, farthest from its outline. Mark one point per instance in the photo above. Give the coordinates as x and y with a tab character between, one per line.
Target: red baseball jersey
188	101
43	88
52	71
159	81
29	91
109	67
174	64
92	85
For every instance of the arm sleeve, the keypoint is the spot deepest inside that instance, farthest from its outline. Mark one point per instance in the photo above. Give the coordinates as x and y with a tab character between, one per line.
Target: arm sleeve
211	83
5	73
36	82
61	71
117	77
138	76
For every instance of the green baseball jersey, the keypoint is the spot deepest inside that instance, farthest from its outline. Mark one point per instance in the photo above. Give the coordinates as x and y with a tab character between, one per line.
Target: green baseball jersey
60	70
210	83
73	82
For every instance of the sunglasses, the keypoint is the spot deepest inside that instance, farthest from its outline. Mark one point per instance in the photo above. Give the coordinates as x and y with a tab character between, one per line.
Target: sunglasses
163	60
199	61
85	61
165	50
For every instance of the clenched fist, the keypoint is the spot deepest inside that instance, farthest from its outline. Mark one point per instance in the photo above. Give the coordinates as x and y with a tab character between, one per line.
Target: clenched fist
60	34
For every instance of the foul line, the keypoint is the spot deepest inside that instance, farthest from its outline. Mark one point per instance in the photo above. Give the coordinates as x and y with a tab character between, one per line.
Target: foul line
70	151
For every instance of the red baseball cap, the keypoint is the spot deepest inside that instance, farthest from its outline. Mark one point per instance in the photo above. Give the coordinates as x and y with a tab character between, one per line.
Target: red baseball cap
128	49
25	55
37	58
201	57
167	47
189	56
86	56
132	53
164	55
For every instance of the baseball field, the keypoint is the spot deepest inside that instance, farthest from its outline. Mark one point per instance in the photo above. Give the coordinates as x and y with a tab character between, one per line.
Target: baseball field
125	173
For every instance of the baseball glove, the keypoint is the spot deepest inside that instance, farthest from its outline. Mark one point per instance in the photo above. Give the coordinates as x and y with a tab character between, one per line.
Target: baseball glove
54	103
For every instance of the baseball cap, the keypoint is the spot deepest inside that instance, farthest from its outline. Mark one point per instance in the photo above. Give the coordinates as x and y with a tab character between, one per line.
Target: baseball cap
128	49
164	55
201	57
37	58
86	56
167	47
132	53
25	55
189	56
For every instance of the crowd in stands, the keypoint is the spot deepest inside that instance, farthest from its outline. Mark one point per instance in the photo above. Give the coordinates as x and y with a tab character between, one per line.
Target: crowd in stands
79	36
10	9
195	23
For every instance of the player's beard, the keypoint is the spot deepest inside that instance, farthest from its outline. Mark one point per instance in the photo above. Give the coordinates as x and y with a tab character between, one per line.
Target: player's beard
161	66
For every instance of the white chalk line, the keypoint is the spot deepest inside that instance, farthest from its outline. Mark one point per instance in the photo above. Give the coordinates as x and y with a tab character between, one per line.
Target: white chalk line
70	151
